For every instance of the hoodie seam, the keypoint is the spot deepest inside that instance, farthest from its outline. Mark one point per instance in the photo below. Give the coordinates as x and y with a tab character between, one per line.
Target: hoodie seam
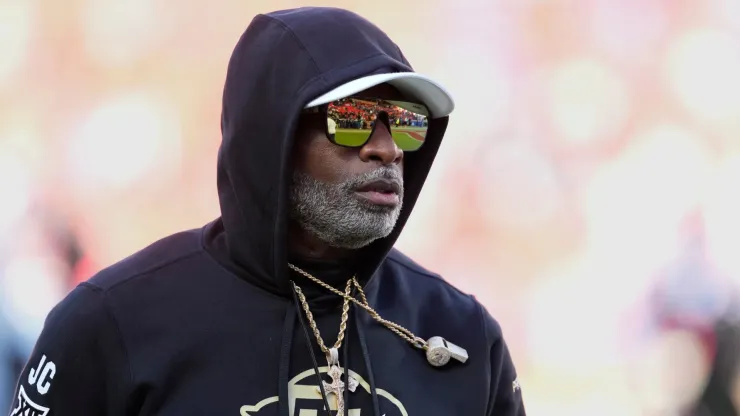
148	271
481	319
295	38
116	326
488	348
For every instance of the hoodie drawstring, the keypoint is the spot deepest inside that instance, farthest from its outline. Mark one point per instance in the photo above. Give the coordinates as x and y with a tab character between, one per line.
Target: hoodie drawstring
297	311
368	364
285	352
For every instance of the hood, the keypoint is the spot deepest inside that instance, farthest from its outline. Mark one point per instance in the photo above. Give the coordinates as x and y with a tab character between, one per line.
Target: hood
282	62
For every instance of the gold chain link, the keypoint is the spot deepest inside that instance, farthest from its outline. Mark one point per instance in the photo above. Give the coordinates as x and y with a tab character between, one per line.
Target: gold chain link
397	329
312	322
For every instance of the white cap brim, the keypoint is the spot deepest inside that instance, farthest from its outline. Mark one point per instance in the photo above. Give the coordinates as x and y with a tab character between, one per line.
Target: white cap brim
434	96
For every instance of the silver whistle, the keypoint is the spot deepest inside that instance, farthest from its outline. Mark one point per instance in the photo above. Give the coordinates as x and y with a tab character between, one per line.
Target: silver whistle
439	352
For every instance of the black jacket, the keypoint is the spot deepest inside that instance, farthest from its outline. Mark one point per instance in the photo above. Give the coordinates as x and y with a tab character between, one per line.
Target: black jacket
203	322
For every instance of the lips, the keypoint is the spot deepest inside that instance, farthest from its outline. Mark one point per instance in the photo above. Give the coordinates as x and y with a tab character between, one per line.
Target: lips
381	192
383	186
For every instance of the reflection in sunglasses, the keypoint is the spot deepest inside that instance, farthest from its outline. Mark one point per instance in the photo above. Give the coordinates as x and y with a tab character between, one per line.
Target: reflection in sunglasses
353	119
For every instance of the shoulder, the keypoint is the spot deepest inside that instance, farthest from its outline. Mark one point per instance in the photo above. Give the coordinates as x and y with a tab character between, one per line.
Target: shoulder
86	310
418	278
431	291
74	357
78	315
80	327
158	256
88	313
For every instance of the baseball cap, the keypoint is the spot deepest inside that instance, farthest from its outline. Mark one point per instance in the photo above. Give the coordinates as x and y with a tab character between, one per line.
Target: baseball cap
433	95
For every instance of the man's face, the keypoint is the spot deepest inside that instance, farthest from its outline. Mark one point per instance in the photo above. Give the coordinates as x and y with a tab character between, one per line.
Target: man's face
341	195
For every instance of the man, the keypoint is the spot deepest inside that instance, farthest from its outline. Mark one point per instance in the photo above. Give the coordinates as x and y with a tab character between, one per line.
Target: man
331	128
260	311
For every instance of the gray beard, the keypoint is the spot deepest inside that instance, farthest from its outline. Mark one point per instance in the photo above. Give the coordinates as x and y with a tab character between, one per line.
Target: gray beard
333	214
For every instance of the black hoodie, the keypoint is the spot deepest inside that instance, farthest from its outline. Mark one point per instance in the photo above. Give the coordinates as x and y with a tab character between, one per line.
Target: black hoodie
204	322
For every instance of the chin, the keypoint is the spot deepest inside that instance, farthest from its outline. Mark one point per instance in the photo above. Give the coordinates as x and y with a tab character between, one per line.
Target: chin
355	242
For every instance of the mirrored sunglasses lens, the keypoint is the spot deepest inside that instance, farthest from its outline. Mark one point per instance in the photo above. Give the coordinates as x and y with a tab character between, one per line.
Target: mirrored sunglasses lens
351	120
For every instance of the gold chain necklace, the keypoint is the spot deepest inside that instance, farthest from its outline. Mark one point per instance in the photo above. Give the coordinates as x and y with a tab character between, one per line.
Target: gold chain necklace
336	387
438	350
312	322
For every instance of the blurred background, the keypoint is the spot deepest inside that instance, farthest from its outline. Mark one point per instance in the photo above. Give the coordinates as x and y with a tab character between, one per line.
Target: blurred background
588	191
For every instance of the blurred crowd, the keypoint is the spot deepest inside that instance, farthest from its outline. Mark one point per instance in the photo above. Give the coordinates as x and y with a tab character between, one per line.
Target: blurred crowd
587	192
40	261
350	113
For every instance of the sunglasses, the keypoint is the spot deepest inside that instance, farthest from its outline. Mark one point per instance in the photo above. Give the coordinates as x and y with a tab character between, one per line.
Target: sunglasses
351	121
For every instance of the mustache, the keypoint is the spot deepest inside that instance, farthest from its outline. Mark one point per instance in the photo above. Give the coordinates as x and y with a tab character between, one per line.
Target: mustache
390	173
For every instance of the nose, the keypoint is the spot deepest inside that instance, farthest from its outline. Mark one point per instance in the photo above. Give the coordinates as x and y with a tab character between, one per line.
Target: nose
381	147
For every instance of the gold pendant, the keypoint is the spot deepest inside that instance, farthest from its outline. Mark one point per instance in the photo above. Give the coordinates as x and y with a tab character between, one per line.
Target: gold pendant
336	387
